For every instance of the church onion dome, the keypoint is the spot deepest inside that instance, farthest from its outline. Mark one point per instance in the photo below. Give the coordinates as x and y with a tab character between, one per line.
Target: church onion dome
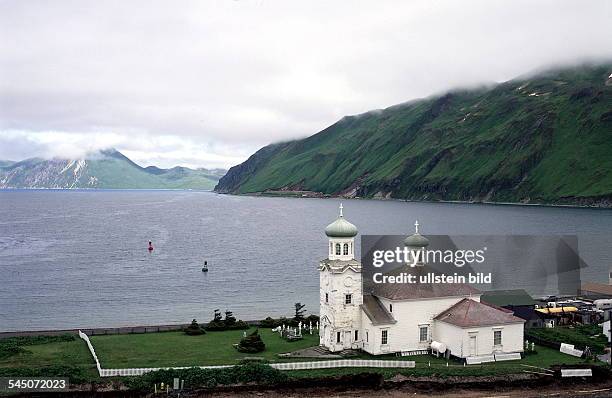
416	239
341	228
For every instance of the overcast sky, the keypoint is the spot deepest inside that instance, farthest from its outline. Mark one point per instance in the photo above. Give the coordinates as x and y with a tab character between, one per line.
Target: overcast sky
206	83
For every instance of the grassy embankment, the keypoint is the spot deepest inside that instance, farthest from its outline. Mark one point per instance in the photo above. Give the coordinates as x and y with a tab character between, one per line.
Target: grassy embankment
581	336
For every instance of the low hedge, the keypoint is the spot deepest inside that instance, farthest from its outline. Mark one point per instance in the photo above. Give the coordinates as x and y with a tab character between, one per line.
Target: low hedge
200	378
75	374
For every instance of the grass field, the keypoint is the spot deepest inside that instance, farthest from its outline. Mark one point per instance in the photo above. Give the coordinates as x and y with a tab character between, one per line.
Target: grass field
177	349
215	348
69	353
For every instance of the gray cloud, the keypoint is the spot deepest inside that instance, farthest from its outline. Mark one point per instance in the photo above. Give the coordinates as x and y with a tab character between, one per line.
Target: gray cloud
206	83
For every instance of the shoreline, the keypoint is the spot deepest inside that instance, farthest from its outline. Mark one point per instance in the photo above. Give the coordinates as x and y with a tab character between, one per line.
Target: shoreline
97	331
289	194
316	195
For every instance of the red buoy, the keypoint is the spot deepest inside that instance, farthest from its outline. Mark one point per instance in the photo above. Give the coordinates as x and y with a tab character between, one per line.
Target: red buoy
150	246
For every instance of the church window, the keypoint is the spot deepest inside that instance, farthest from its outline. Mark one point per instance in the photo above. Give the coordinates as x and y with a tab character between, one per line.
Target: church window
345	249
337	249
356	335
331	248
367	336
497	337
348	299
327	297
384	337
338	336
423	333
390	307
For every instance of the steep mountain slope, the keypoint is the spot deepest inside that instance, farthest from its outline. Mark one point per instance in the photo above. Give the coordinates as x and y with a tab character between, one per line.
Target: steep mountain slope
545	139
106	169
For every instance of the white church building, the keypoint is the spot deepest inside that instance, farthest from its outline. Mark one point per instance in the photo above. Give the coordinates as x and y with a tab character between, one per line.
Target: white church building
406	318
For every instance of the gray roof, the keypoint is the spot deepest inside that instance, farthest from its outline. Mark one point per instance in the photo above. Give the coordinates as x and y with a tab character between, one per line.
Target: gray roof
502	298
470	313
414	291
376	311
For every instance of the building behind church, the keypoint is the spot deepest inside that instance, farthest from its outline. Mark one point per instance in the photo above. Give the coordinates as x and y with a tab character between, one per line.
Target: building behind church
406	318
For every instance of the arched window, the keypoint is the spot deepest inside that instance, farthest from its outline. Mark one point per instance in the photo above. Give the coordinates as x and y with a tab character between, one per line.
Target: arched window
337	249
345	251
331	248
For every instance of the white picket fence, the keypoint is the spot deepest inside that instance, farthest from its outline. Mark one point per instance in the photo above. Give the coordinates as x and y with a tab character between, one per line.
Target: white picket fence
339	363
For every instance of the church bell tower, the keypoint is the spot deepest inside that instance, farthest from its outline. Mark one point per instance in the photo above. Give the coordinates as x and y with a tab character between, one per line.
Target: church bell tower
340	289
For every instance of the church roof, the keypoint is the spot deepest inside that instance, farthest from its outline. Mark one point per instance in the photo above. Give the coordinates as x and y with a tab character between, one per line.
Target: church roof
469	313
341	229
376	311
415	291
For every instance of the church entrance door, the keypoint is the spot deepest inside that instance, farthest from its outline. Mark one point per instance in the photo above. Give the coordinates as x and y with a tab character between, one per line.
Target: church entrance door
473	346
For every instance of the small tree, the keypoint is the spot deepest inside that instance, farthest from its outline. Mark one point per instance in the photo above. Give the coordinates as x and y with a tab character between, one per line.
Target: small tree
230	319
299	312
252	343
194	329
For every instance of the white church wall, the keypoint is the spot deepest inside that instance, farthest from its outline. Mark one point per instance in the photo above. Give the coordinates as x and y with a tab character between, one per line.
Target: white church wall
465	342
343	317
410	316
450	335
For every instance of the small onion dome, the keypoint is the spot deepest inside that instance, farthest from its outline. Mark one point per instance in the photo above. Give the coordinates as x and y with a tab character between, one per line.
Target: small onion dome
416	239
341	228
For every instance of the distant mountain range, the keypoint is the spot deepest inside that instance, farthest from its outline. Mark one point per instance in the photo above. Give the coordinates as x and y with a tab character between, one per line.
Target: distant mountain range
105	169
544	138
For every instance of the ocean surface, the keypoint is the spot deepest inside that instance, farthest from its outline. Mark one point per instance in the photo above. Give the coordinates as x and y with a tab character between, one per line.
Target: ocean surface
72	259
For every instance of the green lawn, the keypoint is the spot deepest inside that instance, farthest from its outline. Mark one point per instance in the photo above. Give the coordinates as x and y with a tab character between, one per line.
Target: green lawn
68	353
52	359
215	348
177	349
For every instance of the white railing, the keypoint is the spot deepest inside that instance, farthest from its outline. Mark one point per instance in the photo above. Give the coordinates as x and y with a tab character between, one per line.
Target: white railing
339	363
343	363
91	349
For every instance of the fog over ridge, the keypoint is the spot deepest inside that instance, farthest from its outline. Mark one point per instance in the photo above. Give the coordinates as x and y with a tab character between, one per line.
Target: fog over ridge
205	84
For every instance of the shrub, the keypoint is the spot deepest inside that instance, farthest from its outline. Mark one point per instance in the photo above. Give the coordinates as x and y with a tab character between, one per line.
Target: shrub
252	343
75	374
229	323
197	378
269	322
194	329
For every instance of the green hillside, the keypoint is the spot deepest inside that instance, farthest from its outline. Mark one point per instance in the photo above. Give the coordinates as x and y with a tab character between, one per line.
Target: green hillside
544	139
108	169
